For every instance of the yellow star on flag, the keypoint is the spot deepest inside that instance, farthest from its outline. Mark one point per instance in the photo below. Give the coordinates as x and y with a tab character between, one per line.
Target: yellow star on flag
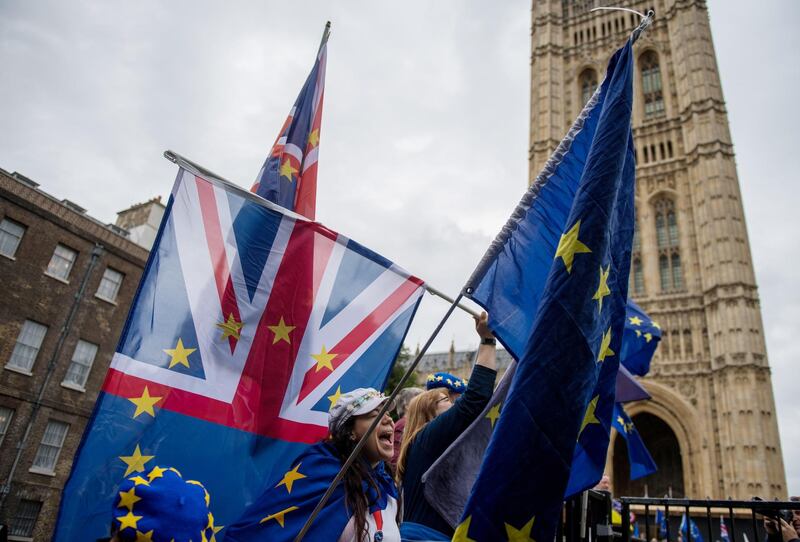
231	328
638	333
462	531
144	403
313	137
279	516
520	535
589	417
648	337
569	245
493	414
335	397
287	170
655	324
144	537
139	481
157	472
128	498
323	359
136	461
635	320
605	347
622	423
281	331
291	477
179	354
128	520
603	289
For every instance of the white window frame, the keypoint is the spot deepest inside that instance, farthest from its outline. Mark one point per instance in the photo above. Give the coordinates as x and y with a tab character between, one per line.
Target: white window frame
6	234
106	279
50	471
52	270
9	415
80	358
20	346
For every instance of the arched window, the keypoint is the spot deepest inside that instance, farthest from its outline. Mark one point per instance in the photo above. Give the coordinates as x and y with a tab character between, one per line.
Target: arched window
588	83
668	237
651	84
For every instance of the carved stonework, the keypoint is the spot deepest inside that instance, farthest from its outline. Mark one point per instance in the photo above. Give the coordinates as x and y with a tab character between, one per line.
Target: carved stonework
712	358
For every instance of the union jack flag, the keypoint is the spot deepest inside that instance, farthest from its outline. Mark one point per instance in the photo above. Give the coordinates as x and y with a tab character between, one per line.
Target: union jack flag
289	174
249	323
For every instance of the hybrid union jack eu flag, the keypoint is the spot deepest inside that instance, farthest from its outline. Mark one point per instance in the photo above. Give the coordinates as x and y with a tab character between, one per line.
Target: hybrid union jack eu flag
248	324
289	174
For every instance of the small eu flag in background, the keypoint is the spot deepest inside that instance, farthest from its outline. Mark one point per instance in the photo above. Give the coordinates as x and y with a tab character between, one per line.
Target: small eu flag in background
639	458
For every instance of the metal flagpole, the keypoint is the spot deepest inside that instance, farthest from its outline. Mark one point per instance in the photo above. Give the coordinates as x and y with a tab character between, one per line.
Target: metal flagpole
386	405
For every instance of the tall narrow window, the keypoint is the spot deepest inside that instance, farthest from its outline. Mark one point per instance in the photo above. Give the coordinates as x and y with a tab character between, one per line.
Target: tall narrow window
668	237
672	224
638	277
651	84
661	230
50	447
663	271
27	347
109	285
81	364
61	262
10	235
588	84
5	422
677	272
24	520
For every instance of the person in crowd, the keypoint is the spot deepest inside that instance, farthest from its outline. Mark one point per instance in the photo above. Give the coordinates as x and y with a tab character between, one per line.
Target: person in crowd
453	385
404	396
604	484
780	532
363	508
784	531
161	506
434	422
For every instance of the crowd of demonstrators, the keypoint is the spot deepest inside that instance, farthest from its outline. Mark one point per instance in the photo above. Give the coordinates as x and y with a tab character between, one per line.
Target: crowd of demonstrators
434	422
401	401
365	507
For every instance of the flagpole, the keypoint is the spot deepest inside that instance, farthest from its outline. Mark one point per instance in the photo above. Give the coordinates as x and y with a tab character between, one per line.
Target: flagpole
325	34
384	409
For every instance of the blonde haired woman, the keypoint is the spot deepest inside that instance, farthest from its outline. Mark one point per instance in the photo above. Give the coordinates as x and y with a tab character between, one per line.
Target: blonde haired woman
433	423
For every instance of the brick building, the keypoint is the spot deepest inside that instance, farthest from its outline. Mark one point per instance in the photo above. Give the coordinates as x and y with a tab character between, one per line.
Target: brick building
67	282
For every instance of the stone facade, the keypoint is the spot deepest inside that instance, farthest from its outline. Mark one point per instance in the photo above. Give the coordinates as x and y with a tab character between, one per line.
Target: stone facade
692	269
75	308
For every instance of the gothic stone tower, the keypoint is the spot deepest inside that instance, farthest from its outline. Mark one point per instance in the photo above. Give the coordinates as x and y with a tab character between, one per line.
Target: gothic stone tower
711	424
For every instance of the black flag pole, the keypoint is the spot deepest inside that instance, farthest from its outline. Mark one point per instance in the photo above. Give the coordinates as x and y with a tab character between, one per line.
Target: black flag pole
384	409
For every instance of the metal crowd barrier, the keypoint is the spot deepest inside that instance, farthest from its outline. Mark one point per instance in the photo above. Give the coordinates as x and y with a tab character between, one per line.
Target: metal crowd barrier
748	511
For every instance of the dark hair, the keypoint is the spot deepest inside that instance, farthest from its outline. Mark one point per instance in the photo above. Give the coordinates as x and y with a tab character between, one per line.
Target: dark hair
355	497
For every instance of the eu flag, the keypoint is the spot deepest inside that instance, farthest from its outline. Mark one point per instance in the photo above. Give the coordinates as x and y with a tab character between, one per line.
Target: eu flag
289	174
640	341
694	530
235	347
570	352
641	462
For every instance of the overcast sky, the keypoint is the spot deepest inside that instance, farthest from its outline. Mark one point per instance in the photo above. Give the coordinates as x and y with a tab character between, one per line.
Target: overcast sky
424	135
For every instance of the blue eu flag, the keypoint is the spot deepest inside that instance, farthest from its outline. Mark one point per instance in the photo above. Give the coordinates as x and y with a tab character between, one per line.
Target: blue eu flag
639	343
570	348
641	462
693	528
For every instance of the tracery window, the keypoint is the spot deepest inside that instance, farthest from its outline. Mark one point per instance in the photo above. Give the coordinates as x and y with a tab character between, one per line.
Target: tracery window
651	84
588	84
668	240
